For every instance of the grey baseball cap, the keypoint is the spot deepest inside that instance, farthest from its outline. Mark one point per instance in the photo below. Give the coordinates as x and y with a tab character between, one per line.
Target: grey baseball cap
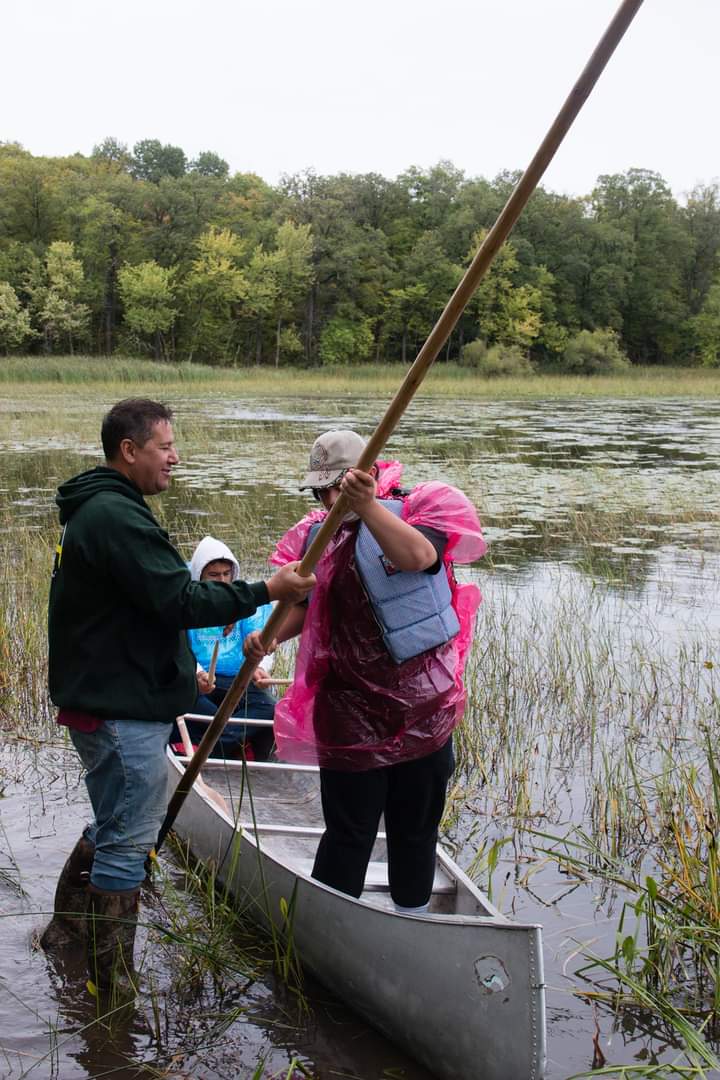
332	454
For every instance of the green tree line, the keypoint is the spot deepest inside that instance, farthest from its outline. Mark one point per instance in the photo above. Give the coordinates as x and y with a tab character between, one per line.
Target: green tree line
147	252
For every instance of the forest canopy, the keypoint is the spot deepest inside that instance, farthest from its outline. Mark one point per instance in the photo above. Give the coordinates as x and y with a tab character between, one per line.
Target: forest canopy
144	251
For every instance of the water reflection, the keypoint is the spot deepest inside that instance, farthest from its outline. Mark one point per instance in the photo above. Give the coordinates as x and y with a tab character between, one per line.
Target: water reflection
553	480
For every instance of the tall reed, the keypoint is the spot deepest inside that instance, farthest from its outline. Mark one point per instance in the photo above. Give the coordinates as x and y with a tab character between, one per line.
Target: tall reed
25	564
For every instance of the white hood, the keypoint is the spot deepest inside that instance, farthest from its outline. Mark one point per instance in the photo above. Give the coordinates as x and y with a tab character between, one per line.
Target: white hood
208	550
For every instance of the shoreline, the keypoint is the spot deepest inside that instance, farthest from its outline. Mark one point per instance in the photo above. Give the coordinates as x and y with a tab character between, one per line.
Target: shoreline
23	375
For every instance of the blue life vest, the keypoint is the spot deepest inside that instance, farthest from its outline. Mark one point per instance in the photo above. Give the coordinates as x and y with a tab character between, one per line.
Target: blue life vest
413	608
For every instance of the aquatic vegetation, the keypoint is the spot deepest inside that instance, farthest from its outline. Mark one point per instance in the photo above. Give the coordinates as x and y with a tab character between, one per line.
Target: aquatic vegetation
668	934
116	373
24	580
588	757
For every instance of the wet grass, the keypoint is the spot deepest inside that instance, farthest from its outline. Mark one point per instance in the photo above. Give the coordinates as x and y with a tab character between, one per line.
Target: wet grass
207	976
117	373
587	754
668	934
24	563
207	935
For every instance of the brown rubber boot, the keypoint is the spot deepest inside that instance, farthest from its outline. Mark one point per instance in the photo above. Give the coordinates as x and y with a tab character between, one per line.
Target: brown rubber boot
68	925
112	922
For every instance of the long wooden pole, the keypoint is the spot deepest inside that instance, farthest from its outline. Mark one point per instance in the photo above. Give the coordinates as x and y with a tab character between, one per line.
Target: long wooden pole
425	358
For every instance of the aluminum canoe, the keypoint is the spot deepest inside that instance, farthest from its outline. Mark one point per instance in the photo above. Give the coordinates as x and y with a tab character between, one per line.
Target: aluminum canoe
461	989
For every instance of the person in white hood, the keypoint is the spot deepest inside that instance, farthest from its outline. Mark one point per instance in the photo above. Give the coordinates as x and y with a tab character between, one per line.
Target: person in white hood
213	560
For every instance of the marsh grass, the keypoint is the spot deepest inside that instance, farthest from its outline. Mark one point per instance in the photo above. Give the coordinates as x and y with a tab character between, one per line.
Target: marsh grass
200	960
444	380
24	563
579	709
10	875
213	935
207	935
74	370
203	956
286	960
668	934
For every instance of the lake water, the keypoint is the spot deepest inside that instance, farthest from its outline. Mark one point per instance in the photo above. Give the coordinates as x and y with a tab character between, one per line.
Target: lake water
600	627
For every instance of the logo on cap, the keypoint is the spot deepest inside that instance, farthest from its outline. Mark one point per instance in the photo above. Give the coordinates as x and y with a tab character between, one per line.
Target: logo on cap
318	456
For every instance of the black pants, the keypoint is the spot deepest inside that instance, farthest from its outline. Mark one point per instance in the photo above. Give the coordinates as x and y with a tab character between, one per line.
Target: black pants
412	797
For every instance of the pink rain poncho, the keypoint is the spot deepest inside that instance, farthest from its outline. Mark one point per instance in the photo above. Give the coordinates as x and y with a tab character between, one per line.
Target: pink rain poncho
351	707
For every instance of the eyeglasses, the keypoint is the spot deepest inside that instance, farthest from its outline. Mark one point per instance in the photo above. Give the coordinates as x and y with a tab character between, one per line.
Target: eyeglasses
318	492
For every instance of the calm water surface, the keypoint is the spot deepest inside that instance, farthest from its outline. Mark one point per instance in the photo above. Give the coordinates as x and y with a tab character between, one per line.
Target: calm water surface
608	509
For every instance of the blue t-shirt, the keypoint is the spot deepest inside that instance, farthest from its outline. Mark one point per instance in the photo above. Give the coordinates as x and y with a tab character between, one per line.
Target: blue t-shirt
230	652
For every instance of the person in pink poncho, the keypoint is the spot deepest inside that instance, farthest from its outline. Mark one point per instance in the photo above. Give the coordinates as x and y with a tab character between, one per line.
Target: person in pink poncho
378	685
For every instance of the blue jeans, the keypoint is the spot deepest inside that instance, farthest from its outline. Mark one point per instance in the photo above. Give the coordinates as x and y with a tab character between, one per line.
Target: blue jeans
260	704
127	784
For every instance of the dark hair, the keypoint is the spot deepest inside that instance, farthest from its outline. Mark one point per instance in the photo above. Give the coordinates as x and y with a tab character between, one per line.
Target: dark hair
133	418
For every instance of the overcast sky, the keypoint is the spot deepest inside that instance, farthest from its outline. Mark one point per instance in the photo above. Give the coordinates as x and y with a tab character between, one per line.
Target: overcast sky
277	86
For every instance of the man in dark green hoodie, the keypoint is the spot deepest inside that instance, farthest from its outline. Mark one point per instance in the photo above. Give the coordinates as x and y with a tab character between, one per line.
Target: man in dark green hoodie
120	669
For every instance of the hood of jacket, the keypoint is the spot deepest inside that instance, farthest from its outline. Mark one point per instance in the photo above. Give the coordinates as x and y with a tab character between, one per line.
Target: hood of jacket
77	491
208	550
